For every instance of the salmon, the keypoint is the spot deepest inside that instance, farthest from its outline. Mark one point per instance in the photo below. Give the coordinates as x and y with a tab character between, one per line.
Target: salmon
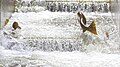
91	28
15	25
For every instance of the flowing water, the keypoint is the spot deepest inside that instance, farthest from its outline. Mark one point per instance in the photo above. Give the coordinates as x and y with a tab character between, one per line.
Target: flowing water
55	39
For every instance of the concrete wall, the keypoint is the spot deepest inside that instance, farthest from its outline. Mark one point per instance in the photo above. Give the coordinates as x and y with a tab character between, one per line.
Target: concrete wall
117	13
6	9
115	9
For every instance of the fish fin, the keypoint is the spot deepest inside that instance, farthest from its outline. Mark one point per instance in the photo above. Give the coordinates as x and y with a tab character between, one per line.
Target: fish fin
19	27
92	28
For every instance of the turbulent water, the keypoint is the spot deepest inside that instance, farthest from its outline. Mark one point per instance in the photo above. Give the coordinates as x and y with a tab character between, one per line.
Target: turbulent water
45	32
56	31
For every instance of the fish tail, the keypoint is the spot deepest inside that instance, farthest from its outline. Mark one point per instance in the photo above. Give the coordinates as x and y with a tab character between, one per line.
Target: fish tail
92	28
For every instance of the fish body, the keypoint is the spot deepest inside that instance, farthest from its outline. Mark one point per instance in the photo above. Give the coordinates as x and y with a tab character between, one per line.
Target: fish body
15	25
91	28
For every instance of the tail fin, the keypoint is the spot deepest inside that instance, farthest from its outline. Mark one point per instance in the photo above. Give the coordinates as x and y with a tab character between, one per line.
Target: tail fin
92	28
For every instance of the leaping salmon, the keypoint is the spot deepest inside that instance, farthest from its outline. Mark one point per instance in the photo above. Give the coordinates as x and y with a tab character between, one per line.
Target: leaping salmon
15	25
91	28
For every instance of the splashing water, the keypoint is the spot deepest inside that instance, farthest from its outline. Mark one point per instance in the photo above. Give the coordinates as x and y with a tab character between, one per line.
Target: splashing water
44	32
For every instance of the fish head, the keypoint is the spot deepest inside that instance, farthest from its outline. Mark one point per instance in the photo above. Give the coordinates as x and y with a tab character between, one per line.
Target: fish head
79	14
